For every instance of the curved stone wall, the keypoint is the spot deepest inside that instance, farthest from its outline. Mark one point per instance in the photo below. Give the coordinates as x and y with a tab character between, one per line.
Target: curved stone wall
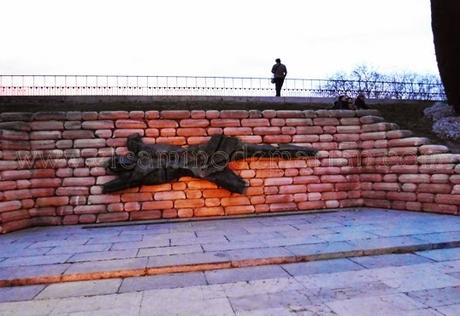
51	167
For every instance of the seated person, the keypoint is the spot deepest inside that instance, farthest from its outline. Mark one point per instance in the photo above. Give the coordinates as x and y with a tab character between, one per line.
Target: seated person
342	103
360	102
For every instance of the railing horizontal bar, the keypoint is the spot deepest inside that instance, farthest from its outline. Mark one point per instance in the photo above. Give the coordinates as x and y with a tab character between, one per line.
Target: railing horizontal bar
60	84
216	77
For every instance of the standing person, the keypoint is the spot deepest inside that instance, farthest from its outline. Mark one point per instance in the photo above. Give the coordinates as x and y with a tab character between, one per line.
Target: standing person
279	72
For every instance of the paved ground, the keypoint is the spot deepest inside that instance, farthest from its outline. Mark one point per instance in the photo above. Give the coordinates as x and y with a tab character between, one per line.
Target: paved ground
405	284
412	283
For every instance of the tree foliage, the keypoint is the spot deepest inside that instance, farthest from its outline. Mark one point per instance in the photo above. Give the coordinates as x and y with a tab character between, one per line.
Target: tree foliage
375	84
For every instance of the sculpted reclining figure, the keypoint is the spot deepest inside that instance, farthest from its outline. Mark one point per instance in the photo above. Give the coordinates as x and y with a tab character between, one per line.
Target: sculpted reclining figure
150	164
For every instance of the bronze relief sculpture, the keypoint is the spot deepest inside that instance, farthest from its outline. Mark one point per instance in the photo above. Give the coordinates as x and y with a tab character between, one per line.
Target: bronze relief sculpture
151	164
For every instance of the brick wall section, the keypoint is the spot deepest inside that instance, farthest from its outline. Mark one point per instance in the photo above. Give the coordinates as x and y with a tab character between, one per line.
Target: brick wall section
51	166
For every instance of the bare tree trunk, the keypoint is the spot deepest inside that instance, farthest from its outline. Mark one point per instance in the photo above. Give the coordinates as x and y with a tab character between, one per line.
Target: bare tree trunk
445	21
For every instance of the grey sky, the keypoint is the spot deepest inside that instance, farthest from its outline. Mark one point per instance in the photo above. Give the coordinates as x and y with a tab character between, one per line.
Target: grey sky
313	38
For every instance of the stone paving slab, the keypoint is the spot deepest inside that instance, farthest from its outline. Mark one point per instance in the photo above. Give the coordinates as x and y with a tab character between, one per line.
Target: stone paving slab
257	256
115	304
20	252
293	299
395	304
420	281
186	259
82	288
20	293
450	310
391	260
245	274
323	266
438	296
34	260
392	244
442	254
81	270
24	275
175	280
70	253
173	250
448	237
105	255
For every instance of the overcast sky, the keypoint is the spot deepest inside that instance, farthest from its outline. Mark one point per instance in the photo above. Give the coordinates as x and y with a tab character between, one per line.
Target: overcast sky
314	38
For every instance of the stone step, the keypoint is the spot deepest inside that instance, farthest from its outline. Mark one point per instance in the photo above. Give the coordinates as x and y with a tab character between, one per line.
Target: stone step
215	260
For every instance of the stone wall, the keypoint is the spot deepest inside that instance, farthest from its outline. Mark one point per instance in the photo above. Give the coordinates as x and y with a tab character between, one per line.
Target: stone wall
52	166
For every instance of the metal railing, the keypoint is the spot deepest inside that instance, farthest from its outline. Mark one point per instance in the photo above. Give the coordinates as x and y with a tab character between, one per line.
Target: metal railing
108	85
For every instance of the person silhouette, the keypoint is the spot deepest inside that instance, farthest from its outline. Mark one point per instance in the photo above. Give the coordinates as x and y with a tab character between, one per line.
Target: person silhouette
279	72
360	101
